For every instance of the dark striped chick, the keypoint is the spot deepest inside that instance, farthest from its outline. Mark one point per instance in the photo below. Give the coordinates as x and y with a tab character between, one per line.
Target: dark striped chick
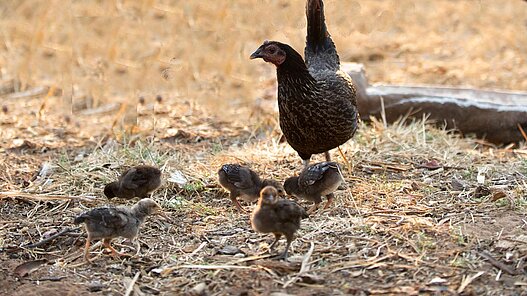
107	223
316	180
243	182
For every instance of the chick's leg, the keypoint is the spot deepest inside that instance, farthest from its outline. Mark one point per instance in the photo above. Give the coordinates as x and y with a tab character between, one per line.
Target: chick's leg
284	254
87	249
330	200
234	199
106	243
313	208
277	236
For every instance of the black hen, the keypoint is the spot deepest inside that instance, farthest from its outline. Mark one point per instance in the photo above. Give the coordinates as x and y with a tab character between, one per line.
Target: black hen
316	100
243	182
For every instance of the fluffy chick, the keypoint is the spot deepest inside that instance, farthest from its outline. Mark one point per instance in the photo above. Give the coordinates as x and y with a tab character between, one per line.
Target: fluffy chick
277	216
243	182
138	181
107	223
316	180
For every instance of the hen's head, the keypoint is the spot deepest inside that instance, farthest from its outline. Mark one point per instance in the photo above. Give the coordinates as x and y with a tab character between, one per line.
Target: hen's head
271	52
269	195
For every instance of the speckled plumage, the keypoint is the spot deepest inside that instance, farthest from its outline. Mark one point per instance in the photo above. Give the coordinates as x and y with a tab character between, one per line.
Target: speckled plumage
243	182
316	100
316	180
277	216
138	181
110	222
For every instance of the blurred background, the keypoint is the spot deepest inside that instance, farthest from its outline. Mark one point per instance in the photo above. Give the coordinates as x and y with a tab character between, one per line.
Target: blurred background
109	54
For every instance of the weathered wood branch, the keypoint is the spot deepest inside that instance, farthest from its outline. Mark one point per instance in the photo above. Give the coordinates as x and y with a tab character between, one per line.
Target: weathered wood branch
493	115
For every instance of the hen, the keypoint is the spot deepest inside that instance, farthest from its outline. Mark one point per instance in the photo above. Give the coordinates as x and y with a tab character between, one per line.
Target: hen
244	182
107	223
279	216
316	100
138	181
319	179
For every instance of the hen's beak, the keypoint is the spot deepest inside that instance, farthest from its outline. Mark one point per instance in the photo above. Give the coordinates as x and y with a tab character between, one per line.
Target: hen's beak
257	54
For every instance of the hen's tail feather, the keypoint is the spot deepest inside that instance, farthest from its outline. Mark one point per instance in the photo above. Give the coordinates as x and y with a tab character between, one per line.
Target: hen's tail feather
317	34
319	45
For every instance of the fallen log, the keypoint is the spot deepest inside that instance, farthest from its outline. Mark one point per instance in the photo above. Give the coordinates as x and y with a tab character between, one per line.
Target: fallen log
497	116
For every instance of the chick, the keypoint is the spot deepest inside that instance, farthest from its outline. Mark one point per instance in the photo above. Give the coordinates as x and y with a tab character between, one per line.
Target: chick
107	223
279	216
315	180
138	181
244	182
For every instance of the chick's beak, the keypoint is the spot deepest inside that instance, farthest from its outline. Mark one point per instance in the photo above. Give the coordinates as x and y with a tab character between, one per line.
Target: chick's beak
163	214
257	54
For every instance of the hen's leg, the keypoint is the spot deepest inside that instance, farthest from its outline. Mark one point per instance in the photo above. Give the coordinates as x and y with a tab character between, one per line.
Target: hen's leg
328	156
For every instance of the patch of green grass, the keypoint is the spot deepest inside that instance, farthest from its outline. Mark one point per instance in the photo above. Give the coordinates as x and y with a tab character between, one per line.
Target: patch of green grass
204	210
176	203
194	186
460	262
458	236
424	242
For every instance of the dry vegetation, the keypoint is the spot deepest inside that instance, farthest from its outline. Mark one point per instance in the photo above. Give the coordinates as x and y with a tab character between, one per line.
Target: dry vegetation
412	219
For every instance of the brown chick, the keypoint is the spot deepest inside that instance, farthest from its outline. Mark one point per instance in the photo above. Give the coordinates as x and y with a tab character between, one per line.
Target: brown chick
244	182
107	223
138	181
315	180
279	216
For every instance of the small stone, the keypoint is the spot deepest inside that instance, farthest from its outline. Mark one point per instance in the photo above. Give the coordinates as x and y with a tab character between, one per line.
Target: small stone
457	185
95	286
229	250
199	290
311	279
481	191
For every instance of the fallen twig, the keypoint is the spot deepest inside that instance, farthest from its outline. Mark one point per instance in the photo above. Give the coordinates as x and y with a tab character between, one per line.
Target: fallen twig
467	280
41	197
44	241
498	264
304	268
131	284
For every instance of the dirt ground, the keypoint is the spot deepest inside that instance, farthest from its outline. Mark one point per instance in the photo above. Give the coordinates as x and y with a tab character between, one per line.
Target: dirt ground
90	88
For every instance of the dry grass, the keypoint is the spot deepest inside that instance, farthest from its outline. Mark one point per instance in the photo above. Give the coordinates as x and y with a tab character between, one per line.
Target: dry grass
397	228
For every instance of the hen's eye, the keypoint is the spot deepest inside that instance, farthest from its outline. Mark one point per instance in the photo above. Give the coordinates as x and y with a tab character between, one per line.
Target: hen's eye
272	50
